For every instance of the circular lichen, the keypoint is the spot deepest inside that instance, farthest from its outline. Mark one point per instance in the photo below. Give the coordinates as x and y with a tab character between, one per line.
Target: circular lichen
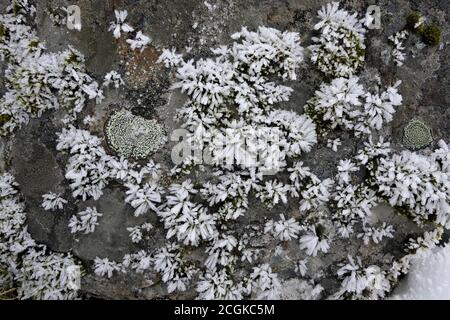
134	136
431	35
417	135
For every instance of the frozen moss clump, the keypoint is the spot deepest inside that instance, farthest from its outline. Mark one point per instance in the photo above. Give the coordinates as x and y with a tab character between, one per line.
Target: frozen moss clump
417	135
134	136
339	50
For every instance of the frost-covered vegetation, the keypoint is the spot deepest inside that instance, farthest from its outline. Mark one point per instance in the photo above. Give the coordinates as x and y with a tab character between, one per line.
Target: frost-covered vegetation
339	49
37	80
31	269
233	113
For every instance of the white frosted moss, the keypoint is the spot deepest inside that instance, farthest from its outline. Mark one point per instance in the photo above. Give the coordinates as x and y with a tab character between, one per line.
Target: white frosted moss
339	50
234	98
344	103
398	50
134	136
36	80
119	26
35	271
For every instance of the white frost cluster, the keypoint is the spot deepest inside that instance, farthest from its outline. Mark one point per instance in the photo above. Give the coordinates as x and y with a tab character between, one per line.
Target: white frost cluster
35	271
88	166
53	201
140	41
417	182
170	58
119	25
143	198
113	78
103	267
173	267
344	103
339	49
267	283
376	234
137	232
362	283
284	230
232	112
37	80
85	221
396	41
189	222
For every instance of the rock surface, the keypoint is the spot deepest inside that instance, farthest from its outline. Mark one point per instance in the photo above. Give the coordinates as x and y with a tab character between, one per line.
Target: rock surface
195	26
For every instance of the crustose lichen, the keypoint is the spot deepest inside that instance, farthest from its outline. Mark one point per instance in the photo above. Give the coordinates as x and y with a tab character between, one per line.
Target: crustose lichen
417	135
133	136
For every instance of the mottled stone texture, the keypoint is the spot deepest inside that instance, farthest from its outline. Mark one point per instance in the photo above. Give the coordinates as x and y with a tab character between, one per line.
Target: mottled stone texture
182	24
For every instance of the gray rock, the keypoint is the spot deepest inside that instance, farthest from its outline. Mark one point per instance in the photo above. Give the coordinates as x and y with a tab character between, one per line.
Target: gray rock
195	26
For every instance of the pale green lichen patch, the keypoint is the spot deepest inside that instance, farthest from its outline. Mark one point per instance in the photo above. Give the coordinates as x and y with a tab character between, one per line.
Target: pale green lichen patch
134	136
417	135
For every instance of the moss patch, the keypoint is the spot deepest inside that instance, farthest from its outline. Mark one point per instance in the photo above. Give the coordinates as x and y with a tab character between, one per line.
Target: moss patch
431	35
412	19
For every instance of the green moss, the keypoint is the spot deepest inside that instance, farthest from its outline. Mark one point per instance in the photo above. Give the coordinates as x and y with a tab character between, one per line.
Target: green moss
34	44
322	126
431	35
412	19
72	59
417	135
4	118
16	8
3	31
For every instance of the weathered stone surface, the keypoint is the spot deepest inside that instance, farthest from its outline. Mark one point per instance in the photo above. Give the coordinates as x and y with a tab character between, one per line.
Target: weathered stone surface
195	26
110	239
38	172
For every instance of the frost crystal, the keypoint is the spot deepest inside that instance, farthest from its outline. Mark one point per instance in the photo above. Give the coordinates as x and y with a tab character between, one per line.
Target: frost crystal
84	221
398	53
104	267
284	230
53	201
35	271
119	25
114	78
139	42
339	49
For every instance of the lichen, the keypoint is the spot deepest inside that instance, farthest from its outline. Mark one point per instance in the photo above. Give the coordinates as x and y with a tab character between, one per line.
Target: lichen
133	136
417	135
